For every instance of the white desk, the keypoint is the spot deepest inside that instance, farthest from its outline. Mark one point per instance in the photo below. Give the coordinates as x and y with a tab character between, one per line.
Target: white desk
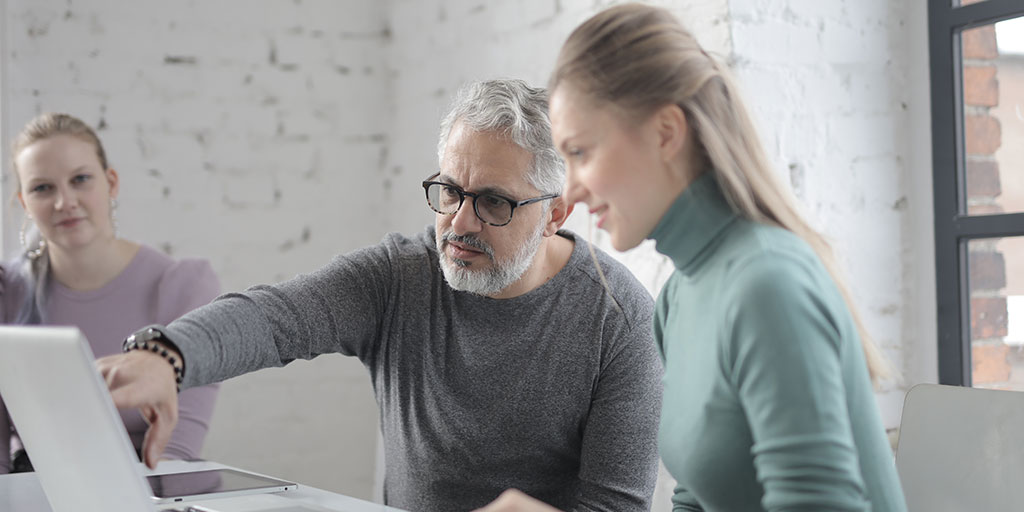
22	493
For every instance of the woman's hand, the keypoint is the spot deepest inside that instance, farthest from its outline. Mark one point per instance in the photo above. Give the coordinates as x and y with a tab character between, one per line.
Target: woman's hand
515	501
143	380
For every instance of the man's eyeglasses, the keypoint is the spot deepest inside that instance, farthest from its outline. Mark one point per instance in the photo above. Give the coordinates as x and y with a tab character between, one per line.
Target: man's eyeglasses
493	209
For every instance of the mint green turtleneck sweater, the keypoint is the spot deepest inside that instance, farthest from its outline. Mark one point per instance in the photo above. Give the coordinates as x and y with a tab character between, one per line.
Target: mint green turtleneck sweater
768	404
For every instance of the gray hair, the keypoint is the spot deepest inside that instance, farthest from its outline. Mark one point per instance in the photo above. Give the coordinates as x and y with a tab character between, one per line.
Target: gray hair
517	111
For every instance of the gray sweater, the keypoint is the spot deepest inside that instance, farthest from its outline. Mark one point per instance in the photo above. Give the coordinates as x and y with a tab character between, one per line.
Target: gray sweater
555	392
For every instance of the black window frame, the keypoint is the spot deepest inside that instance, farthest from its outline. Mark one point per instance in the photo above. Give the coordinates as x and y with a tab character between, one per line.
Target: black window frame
954	229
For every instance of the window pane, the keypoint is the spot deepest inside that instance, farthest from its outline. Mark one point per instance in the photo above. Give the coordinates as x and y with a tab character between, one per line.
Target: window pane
996	281
993	106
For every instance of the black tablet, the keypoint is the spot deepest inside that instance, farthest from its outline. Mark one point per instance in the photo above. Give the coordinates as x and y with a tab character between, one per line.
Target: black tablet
213	483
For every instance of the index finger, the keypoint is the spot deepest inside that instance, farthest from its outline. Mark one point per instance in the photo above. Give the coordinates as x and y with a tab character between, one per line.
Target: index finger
157	436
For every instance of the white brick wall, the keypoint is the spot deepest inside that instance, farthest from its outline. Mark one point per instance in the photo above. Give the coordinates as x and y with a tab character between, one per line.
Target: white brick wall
250	134
840	93
269	136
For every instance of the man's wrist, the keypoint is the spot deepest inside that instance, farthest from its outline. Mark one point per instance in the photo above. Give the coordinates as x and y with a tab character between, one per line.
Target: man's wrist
153	339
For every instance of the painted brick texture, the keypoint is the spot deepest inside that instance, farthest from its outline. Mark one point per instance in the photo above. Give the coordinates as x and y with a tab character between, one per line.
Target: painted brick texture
829	87
251	134
269	137
220	120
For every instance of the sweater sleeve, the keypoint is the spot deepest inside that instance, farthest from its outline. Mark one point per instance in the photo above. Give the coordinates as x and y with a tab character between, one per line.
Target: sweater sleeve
683	501
184	286
784	357
619	456
5	424
337	308
6	316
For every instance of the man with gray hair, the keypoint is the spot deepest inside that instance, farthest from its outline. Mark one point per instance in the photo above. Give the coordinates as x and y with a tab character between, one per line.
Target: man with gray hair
501	355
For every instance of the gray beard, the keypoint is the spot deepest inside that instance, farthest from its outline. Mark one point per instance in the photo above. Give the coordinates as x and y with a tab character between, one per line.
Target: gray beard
490	281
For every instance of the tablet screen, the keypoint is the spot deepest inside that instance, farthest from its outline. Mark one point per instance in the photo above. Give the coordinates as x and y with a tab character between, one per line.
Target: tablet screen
196	483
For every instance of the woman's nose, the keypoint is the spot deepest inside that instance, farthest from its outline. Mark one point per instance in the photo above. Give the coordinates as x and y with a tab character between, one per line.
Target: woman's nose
574	190
65	200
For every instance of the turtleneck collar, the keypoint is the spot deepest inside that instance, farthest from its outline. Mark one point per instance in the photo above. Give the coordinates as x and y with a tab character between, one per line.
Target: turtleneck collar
692	222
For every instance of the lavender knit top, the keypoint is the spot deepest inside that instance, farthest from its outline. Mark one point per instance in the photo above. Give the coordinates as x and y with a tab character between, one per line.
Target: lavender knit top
153	288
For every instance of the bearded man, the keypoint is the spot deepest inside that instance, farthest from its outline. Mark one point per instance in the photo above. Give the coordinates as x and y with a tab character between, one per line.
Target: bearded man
501	353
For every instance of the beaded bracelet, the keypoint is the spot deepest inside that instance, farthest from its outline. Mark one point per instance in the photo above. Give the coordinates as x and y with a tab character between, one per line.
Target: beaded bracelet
147	342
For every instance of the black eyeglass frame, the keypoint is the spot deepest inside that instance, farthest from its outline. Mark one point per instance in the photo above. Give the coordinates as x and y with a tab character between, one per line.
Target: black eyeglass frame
462	199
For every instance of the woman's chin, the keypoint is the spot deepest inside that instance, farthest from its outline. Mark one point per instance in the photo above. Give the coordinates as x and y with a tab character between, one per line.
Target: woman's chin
624	241
73	243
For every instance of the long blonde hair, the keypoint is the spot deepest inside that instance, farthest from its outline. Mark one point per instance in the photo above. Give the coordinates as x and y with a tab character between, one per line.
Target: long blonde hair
640	58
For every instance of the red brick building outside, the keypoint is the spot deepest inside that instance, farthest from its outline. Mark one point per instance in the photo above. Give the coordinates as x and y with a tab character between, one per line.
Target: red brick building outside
993	90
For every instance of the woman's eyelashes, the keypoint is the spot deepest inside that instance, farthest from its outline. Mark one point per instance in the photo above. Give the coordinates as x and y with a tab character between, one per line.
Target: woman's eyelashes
77	180
41	188
574	153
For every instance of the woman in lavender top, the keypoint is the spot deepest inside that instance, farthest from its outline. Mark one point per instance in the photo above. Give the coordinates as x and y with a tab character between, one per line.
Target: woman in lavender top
74	270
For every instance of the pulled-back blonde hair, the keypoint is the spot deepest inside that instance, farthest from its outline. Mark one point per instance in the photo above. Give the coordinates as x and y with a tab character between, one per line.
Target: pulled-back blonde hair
52	124
640	58
29	272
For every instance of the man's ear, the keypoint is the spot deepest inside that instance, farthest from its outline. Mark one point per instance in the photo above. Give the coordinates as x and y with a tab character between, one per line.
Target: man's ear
558	214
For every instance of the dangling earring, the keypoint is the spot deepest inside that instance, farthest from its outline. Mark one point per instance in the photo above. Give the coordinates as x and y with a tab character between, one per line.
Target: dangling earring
113	215
23	238
21	234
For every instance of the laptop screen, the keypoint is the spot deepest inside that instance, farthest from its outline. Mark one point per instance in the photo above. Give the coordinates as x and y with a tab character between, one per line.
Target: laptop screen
67	421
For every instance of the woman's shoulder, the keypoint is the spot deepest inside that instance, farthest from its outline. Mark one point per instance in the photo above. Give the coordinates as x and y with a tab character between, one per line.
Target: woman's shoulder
178	275
763	251
782	287
158	262
182	284
189	269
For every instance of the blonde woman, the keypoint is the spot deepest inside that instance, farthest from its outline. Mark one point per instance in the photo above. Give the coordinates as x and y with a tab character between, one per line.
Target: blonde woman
768	401
75	270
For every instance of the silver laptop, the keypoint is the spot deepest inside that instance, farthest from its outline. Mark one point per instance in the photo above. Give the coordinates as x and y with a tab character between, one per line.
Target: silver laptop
81	452
962	449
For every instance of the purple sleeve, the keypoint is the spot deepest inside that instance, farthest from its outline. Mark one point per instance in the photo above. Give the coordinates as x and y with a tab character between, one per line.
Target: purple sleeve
195	407
186	285
5	422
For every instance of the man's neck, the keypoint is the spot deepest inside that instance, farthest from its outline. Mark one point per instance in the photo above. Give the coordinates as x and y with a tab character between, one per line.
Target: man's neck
552	255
